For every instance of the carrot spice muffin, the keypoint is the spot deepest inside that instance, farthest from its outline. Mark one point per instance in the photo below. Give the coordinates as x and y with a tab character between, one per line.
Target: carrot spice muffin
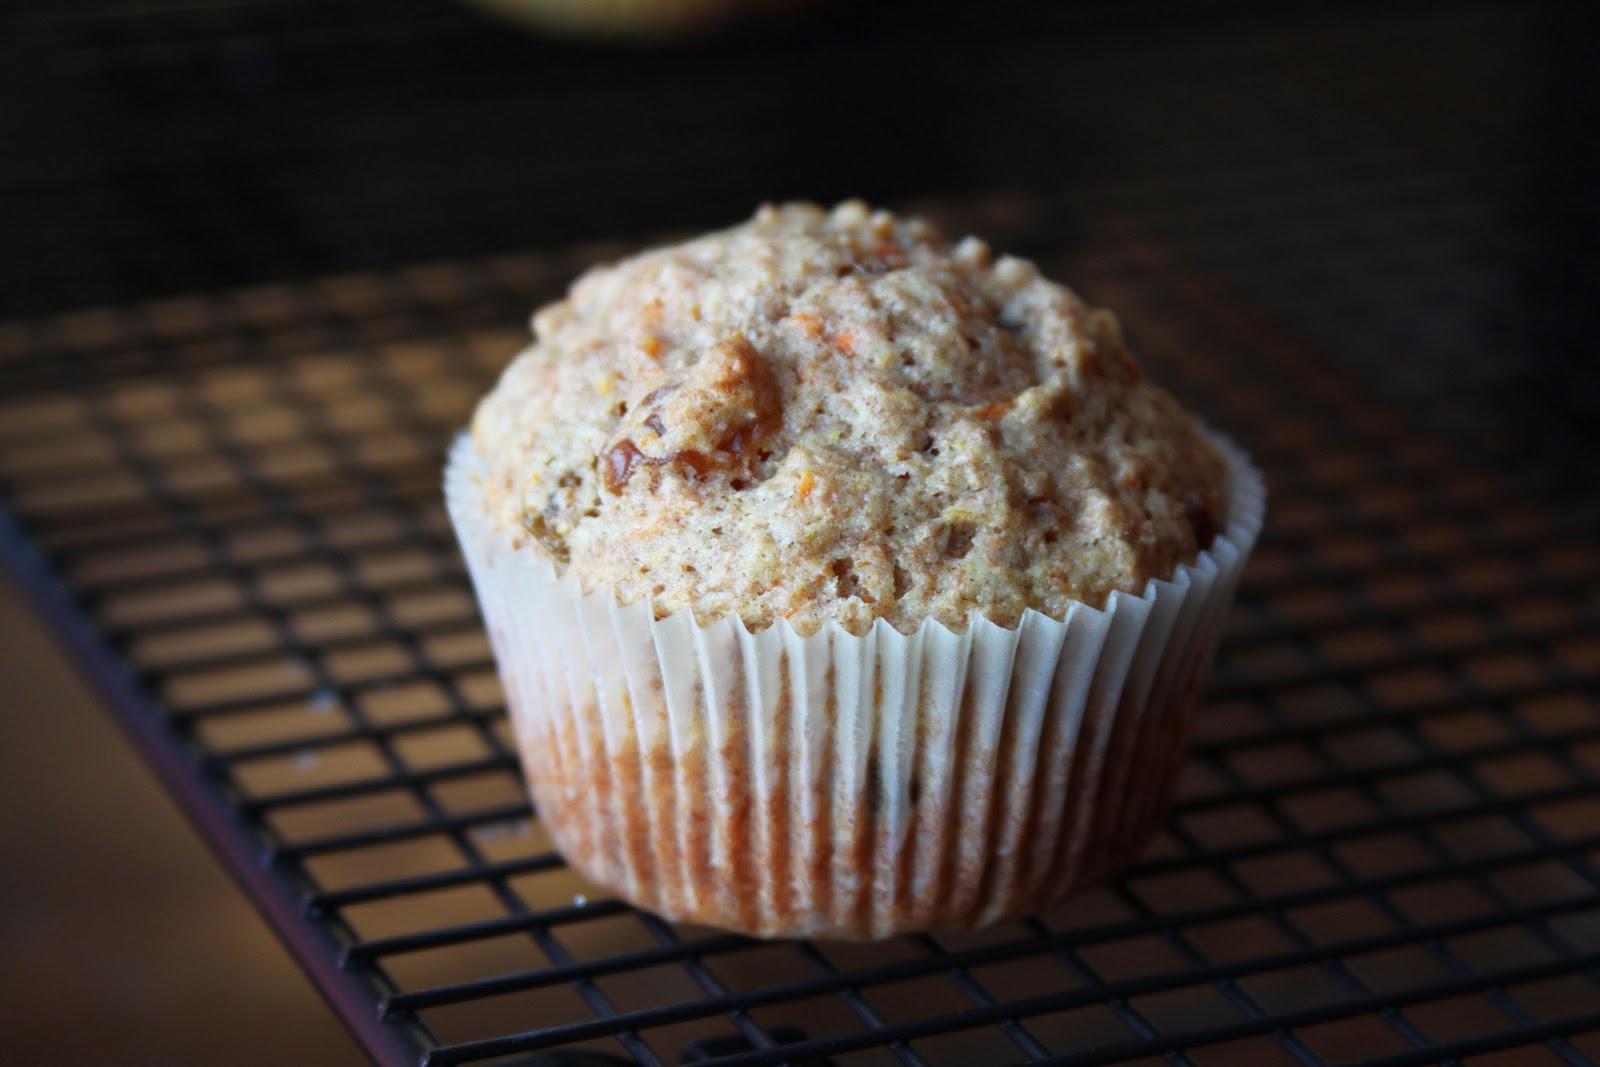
844	580
838	415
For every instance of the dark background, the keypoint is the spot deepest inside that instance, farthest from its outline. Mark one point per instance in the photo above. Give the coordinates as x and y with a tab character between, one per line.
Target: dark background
1430	168
1414	186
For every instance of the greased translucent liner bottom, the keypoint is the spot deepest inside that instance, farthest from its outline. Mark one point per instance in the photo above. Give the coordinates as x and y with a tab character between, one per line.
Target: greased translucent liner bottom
845	786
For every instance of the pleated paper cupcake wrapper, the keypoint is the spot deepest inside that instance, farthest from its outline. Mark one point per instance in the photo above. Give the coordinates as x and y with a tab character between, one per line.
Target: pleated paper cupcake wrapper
845	786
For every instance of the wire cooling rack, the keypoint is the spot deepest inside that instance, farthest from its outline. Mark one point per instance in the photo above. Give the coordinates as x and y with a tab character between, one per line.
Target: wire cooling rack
1384	850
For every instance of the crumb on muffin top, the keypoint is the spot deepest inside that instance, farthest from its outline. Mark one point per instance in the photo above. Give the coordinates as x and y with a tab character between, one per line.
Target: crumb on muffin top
841	415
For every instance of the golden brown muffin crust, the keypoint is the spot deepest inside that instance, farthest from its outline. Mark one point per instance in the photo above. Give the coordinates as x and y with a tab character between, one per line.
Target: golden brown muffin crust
840	415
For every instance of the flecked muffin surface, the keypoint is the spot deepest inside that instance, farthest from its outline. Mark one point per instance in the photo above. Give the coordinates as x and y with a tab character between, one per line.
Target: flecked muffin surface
842	416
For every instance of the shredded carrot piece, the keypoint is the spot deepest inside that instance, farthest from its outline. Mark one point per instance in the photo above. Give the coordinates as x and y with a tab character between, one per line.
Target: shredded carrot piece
810	324
808	482
845	341
994	409
651	346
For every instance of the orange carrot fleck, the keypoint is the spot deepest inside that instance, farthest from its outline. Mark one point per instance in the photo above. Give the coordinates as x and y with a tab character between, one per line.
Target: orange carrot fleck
888	255
651	346
808	482
995	409
845	341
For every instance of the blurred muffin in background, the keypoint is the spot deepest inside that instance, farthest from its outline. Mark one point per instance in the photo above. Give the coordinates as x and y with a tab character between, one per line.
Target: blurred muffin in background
635	18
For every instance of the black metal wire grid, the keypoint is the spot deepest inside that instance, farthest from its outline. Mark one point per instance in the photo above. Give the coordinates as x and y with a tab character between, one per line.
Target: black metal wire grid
1384	849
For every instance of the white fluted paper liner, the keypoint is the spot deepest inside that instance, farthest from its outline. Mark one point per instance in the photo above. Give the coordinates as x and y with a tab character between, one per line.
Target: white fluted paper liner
847	786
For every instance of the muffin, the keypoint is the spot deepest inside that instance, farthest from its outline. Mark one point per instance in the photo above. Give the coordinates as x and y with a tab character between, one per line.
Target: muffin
843	580
634	19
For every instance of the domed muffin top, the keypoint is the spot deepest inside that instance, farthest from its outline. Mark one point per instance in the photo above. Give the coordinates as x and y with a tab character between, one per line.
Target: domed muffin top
841	415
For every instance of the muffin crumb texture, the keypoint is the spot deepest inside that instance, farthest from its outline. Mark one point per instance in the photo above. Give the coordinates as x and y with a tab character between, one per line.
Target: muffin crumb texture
841	415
